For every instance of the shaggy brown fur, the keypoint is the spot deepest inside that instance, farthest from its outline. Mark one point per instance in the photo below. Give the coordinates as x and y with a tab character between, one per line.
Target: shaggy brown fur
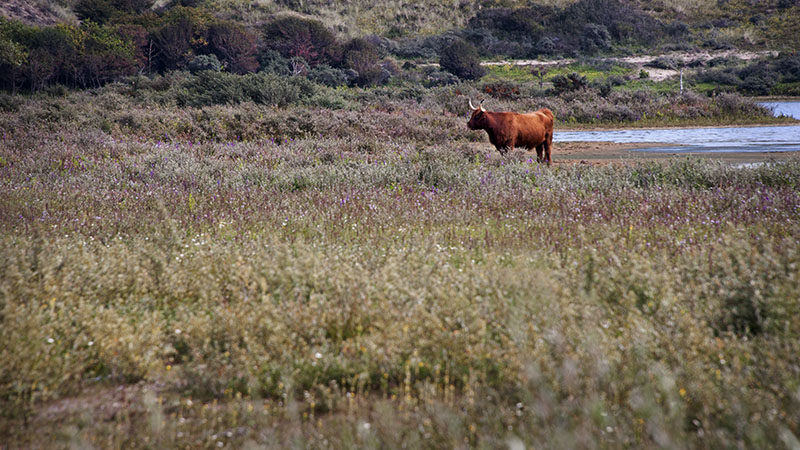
508	130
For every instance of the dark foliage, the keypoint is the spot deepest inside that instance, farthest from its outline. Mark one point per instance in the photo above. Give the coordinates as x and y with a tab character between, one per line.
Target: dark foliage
90	55
205	62
461	59
521	24
100	11
583	27
769	76
595	38
173	43
570	82
361	56
234	46
330	76
293	36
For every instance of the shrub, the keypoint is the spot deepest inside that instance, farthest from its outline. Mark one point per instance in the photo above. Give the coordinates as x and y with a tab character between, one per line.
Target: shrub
461	59
273	62
98	11
595	38
789	67
413	48
271	89
361	56
234	46
546	46
665	62
205	62
13	55
329	76
518	24
220	88
173	44
294	36
567	83
211	88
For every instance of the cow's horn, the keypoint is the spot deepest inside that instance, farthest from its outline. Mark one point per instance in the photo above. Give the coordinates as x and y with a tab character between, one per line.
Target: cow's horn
470	105
480	105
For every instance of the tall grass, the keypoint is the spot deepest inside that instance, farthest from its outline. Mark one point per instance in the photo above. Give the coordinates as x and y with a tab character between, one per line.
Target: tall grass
377	280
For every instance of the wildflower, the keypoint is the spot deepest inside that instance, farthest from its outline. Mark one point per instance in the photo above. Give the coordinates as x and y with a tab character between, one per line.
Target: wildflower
318	355
177	331
50	340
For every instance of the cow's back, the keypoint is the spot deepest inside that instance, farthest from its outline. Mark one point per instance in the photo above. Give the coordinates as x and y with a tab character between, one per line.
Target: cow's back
533	128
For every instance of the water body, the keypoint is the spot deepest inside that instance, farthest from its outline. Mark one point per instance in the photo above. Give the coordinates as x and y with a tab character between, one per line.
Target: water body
788	109
784	138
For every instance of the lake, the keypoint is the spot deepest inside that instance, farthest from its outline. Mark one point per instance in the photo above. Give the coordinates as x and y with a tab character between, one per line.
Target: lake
758	139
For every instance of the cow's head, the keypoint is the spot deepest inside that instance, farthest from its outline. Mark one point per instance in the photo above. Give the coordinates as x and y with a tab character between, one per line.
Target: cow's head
477	120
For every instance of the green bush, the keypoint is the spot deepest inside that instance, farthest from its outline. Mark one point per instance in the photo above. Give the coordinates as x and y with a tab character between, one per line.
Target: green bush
461	59
205	62
270	89
329	76
220	88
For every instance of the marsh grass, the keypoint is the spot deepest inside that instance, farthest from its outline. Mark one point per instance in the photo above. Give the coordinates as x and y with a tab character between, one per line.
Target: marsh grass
370	277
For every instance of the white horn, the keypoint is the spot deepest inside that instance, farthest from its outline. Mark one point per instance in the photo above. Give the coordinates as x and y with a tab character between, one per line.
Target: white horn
470	105
481	106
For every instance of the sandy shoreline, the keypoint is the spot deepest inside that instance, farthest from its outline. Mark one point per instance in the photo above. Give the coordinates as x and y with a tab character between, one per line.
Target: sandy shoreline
612	152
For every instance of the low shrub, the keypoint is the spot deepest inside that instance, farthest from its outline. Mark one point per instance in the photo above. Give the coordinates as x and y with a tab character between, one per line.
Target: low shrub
219	88
204	62
570	82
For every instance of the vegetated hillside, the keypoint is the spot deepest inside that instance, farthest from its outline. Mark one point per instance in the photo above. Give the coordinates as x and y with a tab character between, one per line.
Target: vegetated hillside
41	12
718	24
119	38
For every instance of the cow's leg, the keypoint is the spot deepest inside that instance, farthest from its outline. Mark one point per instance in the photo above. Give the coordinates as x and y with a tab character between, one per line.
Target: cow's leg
505	146
539	150
548	146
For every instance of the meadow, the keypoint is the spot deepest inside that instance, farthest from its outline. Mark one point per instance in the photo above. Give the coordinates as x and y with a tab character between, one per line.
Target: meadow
354	268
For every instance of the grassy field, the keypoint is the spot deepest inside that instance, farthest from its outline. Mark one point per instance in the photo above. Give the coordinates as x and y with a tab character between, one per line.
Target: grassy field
371	274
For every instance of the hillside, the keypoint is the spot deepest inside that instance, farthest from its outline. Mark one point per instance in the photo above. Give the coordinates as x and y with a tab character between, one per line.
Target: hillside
89	43
770	24
42	12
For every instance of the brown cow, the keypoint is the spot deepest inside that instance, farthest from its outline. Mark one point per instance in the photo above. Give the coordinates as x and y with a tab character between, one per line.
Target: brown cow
508	130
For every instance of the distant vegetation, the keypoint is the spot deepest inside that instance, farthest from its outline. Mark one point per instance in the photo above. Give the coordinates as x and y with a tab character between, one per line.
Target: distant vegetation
120	38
